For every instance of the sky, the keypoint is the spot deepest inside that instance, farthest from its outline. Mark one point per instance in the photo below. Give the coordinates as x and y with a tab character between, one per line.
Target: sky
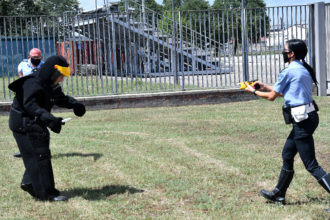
90	4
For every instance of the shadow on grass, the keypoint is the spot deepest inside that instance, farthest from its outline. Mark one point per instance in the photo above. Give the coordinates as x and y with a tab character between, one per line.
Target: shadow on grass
101	194
75	154
314	200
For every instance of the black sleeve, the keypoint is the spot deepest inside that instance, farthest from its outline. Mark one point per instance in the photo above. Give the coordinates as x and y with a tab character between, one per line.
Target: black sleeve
32	92
63	100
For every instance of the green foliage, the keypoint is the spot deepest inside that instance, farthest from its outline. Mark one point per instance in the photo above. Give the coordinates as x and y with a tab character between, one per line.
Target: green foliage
150	4
186	5
57	7
168	4
256	19
29	9
18	7
225	4
153	5
195	5
223	26
37	7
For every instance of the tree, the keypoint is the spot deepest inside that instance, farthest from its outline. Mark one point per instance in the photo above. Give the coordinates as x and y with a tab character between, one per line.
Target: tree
257	20
149	4
57	7
168	4
194	5
37	7
226	4
185	5
17	7
188	17
30	9
153	5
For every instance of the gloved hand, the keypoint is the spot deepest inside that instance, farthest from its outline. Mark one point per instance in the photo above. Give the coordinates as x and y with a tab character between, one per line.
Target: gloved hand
56	125
79	109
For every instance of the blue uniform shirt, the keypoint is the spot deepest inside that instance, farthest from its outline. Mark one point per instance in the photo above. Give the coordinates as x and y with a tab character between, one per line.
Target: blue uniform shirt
296	85
25	67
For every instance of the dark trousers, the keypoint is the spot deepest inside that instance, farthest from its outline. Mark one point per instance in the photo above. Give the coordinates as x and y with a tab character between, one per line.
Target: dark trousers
34	147
301	141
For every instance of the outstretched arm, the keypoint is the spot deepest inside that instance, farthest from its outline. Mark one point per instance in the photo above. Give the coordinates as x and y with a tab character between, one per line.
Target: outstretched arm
266	93
264	87
69	102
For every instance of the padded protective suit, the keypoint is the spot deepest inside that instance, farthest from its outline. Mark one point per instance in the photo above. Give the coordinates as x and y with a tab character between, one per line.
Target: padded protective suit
29	118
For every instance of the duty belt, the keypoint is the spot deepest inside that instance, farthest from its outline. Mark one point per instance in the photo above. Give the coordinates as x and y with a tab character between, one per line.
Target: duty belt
309	107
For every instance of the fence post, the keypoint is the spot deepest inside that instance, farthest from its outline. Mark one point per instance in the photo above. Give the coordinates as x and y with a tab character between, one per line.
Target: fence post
319	52
244	43
114	48
327	36
181	51
174	54
126	5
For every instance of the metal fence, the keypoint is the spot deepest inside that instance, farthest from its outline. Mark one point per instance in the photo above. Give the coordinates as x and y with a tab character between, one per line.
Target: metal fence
143	51
327	33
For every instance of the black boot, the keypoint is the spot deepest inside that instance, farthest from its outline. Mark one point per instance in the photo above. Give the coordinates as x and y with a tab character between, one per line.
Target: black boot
58	198
28	188
54	192
18	154
278	194
325	182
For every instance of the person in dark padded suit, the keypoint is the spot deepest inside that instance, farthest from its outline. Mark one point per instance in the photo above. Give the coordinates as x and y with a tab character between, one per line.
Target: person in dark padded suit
27	67
30	116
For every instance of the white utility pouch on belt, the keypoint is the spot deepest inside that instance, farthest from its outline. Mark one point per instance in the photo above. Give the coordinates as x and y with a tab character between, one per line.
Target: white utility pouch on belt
300	113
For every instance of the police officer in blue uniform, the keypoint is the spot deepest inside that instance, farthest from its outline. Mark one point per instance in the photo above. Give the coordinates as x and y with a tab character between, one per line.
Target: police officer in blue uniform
33	62
30	116
295	84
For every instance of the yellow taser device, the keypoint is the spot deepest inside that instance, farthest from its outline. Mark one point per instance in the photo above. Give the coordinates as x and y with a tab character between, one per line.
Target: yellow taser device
243	86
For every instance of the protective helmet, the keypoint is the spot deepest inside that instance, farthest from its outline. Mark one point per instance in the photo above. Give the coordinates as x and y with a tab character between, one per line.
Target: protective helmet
64	70
54	67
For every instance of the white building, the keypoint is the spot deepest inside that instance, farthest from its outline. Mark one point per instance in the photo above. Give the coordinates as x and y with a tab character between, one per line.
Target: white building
277	37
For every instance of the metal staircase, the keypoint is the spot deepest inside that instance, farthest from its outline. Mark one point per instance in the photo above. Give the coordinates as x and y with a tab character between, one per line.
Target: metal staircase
146	37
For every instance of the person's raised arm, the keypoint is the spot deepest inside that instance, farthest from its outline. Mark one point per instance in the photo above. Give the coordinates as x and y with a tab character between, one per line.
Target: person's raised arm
268	92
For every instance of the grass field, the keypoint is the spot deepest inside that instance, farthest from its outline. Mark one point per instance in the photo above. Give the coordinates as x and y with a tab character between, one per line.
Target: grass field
107	85
192	162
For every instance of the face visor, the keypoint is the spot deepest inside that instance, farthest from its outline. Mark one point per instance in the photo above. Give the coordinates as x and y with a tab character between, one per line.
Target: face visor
65	71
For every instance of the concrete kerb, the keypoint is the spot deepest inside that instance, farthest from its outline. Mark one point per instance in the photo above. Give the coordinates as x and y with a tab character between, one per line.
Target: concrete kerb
178	98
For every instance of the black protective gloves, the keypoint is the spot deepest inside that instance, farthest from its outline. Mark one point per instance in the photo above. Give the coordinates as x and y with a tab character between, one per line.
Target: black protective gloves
79	109
56	125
